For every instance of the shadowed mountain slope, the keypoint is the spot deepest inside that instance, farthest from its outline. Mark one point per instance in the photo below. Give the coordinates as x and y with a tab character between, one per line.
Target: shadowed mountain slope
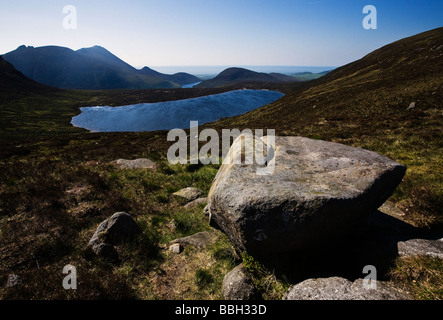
13	80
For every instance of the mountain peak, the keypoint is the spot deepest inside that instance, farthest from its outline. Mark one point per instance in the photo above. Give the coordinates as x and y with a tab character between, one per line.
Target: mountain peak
237	75
24	47
88	68
94	49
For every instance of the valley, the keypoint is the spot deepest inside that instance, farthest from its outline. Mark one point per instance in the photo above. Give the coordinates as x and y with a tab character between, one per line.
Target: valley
59	182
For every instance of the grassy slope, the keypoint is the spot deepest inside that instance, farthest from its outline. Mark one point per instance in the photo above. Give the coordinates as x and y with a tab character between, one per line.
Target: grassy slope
57	183
365	104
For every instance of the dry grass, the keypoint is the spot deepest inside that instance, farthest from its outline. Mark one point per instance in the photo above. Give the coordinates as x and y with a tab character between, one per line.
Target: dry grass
421	275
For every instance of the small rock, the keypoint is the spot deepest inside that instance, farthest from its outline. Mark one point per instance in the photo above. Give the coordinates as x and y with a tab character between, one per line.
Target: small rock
142	163
195	202
411	106
198	240
113	231
238	285
176	248
188	193
416	247
121	226
337	288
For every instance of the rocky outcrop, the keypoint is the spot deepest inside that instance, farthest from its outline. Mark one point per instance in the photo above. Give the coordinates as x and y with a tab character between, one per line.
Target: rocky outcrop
317	191
337	288
238	285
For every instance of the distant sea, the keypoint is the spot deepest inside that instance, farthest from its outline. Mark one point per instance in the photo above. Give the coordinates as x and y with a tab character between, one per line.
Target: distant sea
214	70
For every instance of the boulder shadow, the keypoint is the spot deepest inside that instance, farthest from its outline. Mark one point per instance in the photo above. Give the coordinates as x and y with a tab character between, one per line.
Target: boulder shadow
373	243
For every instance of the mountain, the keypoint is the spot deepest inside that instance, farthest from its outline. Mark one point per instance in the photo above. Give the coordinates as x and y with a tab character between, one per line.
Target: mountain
13	80
87	68
306	76
232	76
181	78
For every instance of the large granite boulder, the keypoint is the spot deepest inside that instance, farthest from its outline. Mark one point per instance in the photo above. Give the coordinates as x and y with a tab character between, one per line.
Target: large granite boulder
316	191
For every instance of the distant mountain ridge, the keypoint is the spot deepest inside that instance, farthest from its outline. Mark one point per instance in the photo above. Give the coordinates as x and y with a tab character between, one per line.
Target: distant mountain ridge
232	76
92	68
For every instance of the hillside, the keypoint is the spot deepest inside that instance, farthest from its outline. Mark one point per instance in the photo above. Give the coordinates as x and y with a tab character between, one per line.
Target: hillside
12	80
59	182
389	101
88	68
383	82
232	76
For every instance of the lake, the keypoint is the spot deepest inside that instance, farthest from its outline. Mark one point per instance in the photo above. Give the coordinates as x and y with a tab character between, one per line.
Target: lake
172	114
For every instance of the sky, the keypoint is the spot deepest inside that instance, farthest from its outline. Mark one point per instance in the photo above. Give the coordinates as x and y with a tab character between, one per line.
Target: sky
218	32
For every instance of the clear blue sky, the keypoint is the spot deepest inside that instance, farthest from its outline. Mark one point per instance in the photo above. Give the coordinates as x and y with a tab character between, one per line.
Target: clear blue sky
218	32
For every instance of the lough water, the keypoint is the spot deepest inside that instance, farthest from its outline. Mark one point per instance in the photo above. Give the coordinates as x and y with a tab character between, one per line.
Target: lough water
172	114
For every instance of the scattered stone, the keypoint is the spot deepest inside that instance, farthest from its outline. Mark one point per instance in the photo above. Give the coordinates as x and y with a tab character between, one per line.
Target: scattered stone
317	191
411	106
176	248
13	280
196	202
113	231
119	227
199	240
188	193
418	247
337	288
238	285
142	163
